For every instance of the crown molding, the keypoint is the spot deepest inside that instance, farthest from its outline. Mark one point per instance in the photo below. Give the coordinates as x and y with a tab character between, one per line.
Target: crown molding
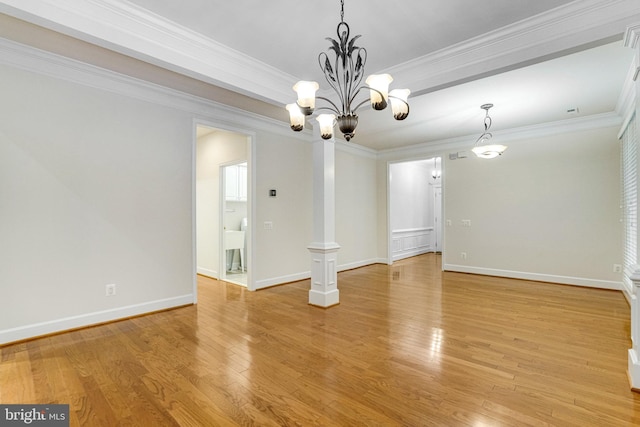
131	30
551	34
632	36
596	121
45	63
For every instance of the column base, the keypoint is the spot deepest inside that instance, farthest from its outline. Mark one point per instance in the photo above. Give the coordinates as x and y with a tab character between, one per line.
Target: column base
633	370
324	275
324	299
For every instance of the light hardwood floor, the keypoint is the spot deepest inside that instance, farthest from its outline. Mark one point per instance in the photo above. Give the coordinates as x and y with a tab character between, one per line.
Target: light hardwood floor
408	345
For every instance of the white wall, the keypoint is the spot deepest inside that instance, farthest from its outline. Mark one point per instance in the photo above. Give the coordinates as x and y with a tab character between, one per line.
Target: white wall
212	150
411	200
283	163
356	208
95	189
548	209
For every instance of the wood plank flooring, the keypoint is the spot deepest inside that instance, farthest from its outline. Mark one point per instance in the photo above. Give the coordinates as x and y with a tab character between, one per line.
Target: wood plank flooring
408	346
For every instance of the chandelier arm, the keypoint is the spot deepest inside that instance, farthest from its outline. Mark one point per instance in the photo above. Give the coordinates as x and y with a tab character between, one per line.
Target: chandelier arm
406	103
353	97
333	110
486	136
341	83
356	75
328	72
348	84
335	107
360	105
366	100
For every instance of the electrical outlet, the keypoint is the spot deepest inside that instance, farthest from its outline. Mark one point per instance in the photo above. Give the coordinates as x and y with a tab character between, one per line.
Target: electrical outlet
463	255
110	290
617	268
466	223
268	225
448	223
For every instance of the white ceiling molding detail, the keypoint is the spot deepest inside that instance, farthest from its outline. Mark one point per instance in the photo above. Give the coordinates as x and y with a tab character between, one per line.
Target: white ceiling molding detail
129	29
48	64
542	37
597	121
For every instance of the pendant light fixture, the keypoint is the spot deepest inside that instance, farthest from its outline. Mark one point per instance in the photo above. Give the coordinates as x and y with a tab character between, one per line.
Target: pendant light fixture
344	75
483	147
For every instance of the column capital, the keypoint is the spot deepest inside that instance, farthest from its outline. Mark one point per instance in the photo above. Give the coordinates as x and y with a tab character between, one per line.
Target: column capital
323	247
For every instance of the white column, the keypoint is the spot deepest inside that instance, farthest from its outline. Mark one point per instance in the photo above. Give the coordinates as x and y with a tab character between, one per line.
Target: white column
324	258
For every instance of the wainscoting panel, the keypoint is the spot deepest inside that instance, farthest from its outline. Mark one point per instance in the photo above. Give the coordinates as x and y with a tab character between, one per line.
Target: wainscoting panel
412	242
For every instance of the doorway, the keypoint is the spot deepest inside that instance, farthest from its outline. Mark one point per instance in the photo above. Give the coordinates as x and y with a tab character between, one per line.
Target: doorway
235	225
218	153
415	208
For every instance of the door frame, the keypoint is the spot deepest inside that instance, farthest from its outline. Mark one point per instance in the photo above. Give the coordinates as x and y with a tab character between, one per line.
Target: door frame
440	184
251	205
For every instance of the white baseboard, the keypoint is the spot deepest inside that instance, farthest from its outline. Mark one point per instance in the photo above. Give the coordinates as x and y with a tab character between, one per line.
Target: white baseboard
564	280
83	320
209	273
358	264
275	281
409	254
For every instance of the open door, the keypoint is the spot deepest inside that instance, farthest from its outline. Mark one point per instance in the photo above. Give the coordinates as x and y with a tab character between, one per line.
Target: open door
234	215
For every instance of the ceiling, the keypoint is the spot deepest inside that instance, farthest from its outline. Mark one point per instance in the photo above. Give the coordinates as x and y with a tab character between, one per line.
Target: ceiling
532	60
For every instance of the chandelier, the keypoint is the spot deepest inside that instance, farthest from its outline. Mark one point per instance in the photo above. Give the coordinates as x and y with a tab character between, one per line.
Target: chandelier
483	147
344	76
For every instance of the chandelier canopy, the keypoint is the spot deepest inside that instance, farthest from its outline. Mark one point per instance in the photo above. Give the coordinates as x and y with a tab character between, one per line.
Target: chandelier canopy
345	75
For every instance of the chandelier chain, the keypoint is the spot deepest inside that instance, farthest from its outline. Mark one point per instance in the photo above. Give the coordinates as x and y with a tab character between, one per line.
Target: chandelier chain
341	10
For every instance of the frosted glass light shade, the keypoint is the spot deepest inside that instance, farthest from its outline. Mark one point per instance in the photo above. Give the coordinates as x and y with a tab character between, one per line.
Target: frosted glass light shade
326	122
379	96
489	151
296	118
399	104
306	95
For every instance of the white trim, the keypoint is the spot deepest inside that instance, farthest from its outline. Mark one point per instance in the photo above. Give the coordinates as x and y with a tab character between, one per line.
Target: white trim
226	117
89	319
411	230
126	28
550	34
275	281
49	64
194	241
551	278
280	280
358	264
596	121
209	273
134	31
